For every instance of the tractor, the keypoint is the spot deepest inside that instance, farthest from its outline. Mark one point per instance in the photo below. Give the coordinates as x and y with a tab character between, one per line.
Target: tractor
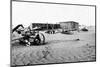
28	37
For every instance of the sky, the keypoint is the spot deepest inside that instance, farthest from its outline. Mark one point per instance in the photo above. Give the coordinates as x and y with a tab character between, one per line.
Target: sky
26	13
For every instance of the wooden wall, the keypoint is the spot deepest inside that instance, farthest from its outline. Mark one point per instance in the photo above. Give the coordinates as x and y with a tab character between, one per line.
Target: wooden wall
69	26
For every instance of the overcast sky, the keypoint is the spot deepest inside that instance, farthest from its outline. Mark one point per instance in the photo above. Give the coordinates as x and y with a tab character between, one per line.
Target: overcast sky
26	13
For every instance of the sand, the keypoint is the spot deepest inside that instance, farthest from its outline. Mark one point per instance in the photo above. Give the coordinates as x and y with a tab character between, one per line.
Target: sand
59	48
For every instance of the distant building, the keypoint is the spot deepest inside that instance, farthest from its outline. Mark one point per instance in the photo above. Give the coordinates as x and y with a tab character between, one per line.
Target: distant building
45	26
69	26
65	26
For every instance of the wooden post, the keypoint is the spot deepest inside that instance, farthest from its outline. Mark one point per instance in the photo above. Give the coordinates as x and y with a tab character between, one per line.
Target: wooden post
47	25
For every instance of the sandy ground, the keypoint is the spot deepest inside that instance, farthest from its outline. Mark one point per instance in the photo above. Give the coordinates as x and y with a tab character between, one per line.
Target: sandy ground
58	48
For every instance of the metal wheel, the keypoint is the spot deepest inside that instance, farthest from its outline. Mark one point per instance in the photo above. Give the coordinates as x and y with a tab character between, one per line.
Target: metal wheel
42	37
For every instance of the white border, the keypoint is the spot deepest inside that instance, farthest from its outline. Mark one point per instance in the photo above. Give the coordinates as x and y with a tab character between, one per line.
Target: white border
5	33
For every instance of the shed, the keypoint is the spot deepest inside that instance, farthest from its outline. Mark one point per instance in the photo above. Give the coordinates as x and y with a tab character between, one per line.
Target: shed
69	26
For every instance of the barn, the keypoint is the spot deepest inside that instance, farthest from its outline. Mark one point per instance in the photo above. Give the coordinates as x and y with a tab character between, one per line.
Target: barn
69	26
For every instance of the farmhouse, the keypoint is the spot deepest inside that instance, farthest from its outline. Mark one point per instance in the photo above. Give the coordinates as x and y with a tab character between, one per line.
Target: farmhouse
69	26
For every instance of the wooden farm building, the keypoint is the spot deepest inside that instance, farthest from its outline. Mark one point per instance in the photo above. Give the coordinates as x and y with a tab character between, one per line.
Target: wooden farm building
69	26
45	26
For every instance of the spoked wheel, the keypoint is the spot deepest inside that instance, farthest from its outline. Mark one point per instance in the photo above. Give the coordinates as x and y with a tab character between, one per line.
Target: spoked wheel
42	37
39	39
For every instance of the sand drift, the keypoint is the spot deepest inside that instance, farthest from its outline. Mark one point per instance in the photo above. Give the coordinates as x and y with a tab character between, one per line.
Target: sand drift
59	48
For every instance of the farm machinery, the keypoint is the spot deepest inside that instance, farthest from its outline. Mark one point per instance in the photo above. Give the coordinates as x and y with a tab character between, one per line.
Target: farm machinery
29	37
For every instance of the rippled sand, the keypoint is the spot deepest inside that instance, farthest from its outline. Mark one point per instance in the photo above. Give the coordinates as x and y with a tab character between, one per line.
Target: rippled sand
59	48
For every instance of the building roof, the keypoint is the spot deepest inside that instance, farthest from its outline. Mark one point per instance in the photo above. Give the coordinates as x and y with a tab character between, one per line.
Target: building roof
69	22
